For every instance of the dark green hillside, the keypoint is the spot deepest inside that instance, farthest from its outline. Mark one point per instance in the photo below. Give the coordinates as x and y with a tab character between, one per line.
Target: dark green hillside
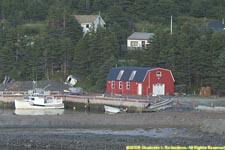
40	39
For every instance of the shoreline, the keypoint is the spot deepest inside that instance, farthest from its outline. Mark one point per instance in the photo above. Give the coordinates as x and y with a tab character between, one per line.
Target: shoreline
138	104
123	120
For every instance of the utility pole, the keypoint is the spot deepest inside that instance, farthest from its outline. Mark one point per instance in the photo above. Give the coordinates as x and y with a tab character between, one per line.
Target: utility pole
171	25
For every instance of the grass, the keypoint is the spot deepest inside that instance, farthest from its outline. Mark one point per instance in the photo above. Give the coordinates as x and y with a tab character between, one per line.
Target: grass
34	28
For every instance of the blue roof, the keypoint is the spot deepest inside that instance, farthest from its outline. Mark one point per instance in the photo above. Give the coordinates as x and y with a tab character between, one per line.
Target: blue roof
218	26
139	76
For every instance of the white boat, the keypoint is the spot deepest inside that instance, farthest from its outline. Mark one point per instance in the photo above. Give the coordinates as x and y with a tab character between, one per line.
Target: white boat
39	102
158	105
109	109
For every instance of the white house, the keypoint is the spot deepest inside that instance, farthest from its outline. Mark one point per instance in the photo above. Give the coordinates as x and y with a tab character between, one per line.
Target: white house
89	22
139	40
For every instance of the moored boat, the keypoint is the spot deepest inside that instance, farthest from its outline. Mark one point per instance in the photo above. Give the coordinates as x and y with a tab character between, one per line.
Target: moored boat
39	102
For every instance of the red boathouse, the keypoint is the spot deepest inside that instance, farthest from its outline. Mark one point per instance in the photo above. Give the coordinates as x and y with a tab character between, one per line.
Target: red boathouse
140	81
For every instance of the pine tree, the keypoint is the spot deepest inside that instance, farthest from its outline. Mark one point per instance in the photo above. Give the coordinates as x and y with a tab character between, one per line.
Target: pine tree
220	73
8	49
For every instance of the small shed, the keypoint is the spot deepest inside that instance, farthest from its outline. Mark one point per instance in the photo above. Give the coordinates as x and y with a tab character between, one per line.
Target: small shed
140	81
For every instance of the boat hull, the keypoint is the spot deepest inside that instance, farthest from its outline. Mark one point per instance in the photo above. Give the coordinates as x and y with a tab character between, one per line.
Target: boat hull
21	104
159	105
109	109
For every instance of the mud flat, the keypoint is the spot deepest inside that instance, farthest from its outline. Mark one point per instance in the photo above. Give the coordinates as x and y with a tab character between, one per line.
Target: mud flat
70	139
82	131
179	126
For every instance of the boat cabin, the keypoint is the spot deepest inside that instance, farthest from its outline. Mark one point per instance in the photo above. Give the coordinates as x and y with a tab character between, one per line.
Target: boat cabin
42	100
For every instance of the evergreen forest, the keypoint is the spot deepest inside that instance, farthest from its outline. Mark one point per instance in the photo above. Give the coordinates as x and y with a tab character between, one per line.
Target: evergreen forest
41	40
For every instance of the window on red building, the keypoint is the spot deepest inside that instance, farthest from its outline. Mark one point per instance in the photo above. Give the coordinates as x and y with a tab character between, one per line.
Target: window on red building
120	85
113	84
127	85
158	74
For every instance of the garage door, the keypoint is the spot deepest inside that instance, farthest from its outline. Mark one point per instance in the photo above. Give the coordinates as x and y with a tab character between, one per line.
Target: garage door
158	89
139	89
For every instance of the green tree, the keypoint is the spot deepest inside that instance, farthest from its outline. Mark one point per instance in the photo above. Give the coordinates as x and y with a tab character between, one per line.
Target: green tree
220	73
8	49
36	10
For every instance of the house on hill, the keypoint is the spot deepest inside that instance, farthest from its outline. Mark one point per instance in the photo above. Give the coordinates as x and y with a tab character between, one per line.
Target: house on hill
90	22
218	26
139	40
140	81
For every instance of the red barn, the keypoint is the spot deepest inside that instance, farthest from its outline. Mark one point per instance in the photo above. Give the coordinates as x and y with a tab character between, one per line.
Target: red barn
140	81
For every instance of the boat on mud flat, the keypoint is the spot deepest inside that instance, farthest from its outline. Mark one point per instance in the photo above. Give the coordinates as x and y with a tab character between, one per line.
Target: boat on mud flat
113	110
159	105
39	102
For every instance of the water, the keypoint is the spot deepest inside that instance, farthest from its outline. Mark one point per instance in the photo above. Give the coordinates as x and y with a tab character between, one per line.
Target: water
156	132
4	111
99	110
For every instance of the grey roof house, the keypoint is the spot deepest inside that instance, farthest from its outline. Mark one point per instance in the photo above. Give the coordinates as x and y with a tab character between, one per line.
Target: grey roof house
139	40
